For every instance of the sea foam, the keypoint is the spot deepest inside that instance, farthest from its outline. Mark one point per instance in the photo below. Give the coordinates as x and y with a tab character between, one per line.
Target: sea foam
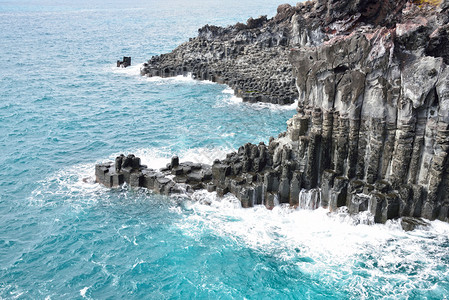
328	246
232	99
228	92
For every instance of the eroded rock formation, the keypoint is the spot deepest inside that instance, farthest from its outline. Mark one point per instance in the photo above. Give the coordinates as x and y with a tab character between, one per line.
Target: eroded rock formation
373	103
251	58
372	128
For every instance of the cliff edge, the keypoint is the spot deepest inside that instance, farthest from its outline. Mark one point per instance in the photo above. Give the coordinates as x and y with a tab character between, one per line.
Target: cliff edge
251	58
372	128
373	83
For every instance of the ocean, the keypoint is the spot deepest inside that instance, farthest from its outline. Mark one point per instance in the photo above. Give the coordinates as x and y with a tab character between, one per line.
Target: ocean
64	106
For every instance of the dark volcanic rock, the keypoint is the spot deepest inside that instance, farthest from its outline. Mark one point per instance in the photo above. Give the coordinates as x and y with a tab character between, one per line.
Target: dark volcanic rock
126	62
373	81
409	224
372	129
251	58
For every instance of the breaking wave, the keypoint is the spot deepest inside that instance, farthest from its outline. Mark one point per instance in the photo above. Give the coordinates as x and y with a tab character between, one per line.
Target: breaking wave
367	261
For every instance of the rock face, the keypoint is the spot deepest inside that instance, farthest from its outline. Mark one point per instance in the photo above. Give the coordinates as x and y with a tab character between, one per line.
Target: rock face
373	104
372	129
251	58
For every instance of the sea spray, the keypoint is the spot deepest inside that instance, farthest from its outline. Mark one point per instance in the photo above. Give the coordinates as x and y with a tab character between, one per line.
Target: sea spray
310	199
336	249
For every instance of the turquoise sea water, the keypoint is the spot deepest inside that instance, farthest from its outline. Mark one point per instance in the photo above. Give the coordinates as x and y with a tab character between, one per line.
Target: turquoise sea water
64	106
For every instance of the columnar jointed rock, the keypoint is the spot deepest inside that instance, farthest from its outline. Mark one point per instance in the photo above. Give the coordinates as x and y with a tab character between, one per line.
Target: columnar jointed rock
176	178
373	98
251	58
372	128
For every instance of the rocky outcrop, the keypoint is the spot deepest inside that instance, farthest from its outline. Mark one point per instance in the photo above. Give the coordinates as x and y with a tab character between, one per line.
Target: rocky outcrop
176	178
126	62
251	58
371	133
373	97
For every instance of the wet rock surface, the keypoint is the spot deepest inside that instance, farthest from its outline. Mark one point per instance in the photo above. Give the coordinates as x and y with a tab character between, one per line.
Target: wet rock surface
371	133
126	62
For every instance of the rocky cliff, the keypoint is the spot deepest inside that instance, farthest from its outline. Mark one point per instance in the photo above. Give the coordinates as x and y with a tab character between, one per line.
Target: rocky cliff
372	128
373	111
251	58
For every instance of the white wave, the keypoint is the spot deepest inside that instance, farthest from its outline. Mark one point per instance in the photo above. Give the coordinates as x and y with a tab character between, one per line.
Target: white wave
68	183
228	90
154	158
329	247
231	134
13	292
133	70
270	106
230	98
76	184
157	158
176	79
262	105
205	155
83	291
138	263
235	100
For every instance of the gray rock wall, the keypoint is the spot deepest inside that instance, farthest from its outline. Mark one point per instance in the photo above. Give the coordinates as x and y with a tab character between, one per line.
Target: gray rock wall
373	101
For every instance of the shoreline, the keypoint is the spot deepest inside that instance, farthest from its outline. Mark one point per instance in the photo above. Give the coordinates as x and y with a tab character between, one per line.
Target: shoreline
228	90
370	133
251	58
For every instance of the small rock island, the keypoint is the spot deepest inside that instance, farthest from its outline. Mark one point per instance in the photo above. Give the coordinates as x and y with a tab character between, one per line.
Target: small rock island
371	131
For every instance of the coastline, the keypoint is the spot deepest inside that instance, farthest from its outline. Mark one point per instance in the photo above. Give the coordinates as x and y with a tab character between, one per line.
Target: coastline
136	69
345	143
65	108
250	58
